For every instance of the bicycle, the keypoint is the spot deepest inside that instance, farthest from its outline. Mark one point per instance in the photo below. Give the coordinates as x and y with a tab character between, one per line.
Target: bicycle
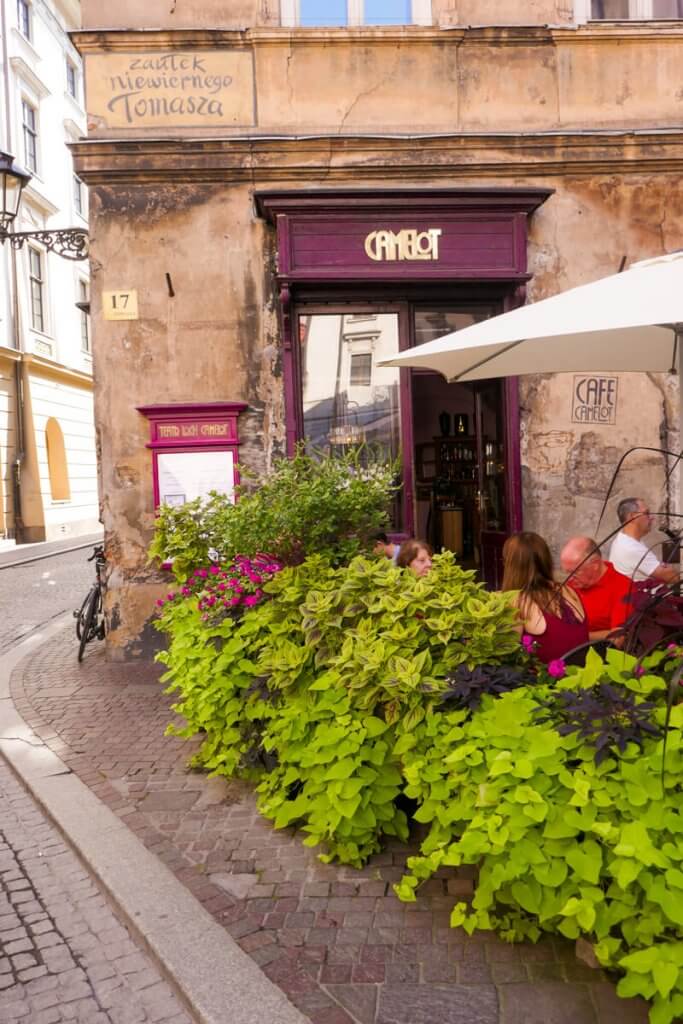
90	616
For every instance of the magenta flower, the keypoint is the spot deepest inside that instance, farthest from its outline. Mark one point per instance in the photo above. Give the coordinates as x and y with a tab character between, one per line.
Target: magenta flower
186	591
557	668
251	599
214	570
160	602
528	643
203	573
234	601
170	597
638	671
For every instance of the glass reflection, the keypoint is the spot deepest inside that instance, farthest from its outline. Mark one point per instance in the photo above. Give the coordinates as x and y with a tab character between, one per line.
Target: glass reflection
329	13
348	399
388	12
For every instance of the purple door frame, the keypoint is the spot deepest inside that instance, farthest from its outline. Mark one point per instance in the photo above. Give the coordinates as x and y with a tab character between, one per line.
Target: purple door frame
321	257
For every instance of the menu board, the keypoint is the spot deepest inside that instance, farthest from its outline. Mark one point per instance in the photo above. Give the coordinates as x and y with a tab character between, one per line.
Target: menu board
184	476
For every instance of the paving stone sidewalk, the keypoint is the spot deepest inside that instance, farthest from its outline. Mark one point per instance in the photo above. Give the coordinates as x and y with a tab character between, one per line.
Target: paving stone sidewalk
336	940
64	956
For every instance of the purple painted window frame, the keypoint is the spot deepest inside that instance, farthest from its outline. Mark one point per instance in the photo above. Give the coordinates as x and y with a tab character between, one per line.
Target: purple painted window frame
191	413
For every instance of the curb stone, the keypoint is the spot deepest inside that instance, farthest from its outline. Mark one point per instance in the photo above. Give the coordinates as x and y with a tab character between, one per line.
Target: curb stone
206	967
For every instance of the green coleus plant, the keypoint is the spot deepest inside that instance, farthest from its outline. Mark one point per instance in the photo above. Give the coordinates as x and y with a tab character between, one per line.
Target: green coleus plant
566	842
311	688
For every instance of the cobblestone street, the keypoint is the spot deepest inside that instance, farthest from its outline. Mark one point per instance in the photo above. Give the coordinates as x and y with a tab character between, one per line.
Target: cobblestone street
33	593
336	940
64	956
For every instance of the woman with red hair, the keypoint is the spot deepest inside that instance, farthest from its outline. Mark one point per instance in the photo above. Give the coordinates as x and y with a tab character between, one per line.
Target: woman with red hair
549	612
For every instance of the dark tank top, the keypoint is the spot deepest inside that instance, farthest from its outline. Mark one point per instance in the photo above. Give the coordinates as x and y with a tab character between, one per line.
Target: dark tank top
562	634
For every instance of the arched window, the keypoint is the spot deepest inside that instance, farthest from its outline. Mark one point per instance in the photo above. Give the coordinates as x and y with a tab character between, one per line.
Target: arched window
56	461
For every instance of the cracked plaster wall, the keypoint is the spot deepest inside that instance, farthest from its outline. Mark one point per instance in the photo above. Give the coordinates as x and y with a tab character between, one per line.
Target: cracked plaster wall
216	340
582	233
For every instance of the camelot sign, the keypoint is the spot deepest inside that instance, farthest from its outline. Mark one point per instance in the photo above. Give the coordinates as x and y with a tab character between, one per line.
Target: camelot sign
407	244
183	89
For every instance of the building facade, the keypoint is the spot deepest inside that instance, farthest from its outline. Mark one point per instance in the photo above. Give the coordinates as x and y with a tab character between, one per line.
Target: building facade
48	469
284	192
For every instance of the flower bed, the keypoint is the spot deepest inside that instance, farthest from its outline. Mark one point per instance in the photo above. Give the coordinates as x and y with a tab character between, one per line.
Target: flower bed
347	688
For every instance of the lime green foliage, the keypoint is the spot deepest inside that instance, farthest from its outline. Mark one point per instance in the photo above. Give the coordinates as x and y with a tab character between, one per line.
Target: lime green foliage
564	845
325	682
326	506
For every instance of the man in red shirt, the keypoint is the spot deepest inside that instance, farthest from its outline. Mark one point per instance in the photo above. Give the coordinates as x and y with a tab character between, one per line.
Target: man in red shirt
604	592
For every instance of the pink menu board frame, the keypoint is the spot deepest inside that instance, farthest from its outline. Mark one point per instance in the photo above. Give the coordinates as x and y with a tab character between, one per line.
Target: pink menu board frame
192	428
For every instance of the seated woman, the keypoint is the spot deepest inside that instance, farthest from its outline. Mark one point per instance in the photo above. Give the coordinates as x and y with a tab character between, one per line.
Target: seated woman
415	555
548	611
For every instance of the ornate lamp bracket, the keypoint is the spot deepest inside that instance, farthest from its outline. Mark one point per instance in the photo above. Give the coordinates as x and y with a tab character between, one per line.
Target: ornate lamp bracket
70	243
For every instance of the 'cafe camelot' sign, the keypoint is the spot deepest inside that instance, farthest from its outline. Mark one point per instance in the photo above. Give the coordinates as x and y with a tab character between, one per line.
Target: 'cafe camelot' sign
407	244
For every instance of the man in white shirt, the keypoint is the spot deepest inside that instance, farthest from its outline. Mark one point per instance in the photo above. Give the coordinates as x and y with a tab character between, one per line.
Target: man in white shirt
629	555
384	546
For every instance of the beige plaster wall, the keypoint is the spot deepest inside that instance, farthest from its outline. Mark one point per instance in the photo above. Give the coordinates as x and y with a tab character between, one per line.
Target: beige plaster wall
135	14
443	82
214	340
503	12
247	13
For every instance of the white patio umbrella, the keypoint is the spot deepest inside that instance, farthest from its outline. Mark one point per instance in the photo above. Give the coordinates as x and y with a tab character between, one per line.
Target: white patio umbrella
628	321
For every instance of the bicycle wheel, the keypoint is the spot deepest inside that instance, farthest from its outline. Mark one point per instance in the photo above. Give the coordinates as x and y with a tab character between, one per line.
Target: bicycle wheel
89	625
80	614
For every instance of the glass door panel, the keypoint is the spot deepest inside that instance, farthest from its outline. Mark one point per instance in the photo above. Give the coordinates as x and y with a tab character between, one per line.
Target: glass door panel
348	400
449	445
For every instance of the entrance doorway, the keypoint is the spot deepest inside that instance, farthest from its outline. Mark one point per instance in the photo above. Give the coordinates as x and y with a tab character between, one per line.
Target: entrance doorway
460	469
453	441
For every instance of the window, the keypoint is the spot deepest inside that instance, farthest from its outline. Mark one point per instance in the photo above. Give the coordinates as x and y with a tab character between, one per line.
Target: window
24	18
337	13
79	204
635	10
71	80
30	129
360	374
56	462
36	285
84	307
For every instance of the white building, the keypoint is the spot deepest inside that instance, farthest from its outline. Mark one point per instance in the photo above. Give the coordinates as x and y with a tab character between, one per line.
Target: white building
48	473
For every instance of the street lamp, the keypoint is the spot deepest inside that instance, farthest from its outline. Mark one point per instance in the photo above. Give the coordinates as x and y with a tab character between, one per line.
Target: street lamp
71	243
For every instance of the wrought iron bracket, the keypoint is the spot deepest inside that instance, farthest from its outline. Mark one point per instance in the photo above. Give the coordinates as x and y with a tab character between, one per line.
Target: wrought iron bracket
70	243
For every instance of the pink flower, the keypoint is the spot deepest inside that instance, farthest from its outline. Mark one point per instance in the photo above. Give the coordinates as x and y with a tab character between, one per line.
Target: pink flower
186	591
170	597
160	603
557	668
210	601
528	643
214	570
221	587
251	599
234	601
202	572
638	671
